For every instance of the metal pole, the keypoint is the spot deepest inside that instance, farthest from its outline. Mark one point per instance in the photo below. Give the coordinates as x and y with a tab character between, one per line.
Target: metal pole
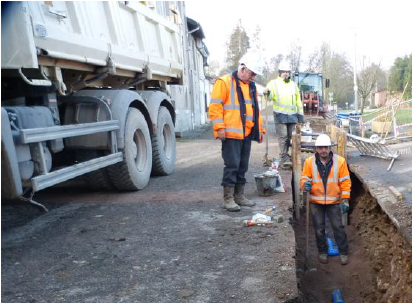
355	84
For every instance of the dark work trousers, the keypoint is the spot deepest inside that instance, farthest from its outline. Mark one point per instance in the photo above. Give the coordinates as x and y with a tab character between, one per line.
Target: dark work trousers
235	154
284	134
334	212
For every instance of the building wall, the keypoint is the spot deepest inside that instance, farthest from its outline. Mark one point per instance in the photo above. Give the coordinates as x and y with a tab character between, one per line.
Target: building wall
192	97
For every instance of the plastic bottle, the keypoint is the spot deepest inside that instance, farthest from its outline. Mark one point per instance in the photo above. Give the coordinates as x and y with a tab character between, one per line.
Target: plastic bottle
253	222
337	296
275	163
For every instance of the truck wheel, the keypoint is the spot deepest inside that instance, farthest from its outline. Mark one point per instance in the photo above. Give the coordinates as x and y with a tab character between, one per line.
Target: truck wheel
164	144
133	173
99	179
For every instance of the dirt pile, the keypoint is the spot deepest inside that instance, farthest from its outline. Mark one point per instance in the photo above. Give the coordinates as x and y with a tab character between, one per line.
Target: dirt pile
386	249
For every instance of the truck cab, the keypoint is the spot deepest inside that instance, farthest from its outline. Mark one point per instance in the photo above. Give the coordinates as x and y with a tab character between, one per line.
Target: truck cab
311	92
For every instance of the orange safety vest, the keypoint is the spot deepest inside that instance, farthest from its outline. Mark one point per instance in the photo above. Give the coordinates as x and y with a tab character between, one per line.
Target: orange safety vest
338	184
224	109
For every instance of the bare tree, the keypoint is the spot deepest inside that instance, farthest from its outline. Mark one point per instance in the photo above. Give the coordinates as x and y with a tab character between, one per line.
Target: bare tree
367	79
337	68
315	62
270	70
257	42
294	55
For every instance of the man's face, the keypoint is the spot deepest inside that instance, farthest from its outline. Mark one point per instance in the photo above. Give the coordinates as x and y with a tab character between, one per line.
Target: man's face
247	75
323	151
285	74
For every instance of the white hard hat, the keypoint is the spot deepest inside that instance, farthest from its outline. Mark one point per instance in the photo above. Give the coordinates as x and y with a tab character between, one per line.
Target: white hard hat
323	140
284	66
252	63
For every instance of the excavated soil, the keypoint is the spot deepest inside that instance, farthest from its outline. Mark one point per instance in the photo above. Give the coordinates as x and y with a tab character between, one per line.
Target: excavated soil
387	250
380	268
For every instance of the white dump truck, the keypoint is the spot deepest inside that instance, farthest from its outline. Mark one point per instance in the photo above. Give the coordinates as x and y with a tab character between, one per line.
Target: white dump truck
83	89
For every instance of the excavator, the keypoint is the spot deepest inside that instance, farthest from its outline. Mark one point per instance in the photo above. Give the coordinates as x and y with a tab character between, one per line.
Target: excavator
311	92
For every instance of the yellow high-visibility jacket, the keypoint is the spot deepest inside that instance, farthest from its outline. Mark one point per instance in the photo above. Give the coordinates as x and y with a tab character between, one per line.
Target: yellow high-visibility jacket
338	185
285	97
224	109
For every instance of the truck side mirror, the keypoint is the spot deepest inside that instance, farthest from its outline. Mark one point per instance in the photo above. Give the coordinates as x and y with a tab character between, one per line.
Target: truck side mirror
327	83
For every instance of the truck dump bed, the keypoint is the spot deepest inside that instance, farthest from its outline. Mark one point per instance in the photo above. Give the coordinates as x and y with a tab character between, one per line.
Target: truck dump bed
130	34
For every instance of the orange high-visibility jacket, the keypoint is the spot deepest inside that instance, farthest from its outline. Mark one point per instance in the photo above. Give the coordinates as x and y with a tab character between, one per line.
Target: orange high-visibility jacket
338	185
224	109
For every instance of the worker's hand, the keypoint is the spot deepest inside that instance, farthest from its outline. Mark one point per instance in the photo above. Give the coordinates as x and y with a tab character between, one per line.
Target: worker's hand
221	134
262	136
307	186
266	92
344	206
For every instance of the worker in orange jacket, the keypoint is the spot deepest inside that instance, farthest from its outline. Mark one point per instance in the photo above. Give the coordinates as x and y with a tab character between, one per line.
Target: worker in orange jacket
234	112
326	178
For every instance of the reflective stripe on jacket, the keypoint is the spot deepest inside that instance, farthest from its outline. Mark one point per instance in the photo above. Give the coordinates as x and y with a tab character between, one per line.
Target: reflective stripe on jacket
224	109
338	185
285	97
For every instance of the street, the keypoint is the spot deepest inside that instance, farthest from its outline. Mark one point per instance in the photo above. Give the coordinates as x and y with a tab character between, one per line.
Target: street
170	242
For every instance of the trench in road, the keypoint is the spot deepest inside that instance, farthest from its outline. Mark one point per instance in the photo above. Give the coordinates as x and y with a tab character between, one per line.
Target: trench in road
380	264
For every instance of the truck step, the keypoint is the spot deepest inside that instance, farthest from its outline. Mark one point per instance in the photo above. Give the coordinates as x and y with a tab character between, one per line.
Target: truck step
64	174
32	135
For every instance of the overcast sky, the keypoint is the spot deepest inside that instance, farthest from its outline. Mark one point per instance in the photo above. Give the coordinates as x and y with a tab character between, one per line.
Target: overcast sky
383	28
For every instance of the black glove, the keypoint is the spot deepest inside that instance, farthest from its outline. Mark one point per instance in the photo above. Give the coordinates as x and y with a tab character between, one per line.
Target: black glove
344	206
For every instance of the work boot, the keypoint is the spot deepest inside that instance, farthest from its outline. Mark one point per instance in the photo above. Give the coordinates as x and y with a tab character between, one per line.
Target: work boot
323	258
229	201
285	162
287	165
240	198
344	259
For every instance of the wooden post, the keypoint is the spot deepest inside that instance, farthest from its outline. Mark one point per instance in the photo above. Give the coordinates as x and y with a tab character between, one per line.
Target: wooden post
333	136
298	128
297	171
342	143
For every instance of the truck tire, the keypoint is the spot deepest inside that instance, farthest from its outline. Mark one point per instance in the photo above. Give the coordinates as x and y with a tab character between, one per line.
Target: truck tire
133	173
164	144
99	179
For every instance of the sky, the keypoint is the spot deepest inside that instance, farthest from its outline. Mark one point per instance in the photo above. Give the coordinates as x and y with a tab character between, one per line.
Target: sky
382	28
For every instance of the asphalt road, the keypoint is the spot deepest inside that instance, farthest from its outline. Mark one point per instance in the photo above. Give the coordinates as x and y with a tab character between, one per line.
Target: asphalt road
171	242
374	174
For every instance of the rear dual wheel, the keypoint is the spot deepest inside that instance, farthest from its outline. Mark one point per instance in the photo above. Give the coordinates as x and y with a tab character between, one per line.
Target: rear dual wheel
133	173
164	144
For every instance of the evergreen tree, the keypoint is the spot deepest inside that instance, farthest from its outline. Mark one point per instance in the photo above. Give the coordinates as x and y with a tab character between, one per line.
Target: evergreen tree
237	46
400	74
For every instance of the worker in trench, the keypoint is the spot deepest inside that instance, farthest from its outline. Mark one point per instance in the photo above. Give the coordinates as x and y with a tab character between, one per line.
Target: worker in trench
287	110
326	178
234	112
